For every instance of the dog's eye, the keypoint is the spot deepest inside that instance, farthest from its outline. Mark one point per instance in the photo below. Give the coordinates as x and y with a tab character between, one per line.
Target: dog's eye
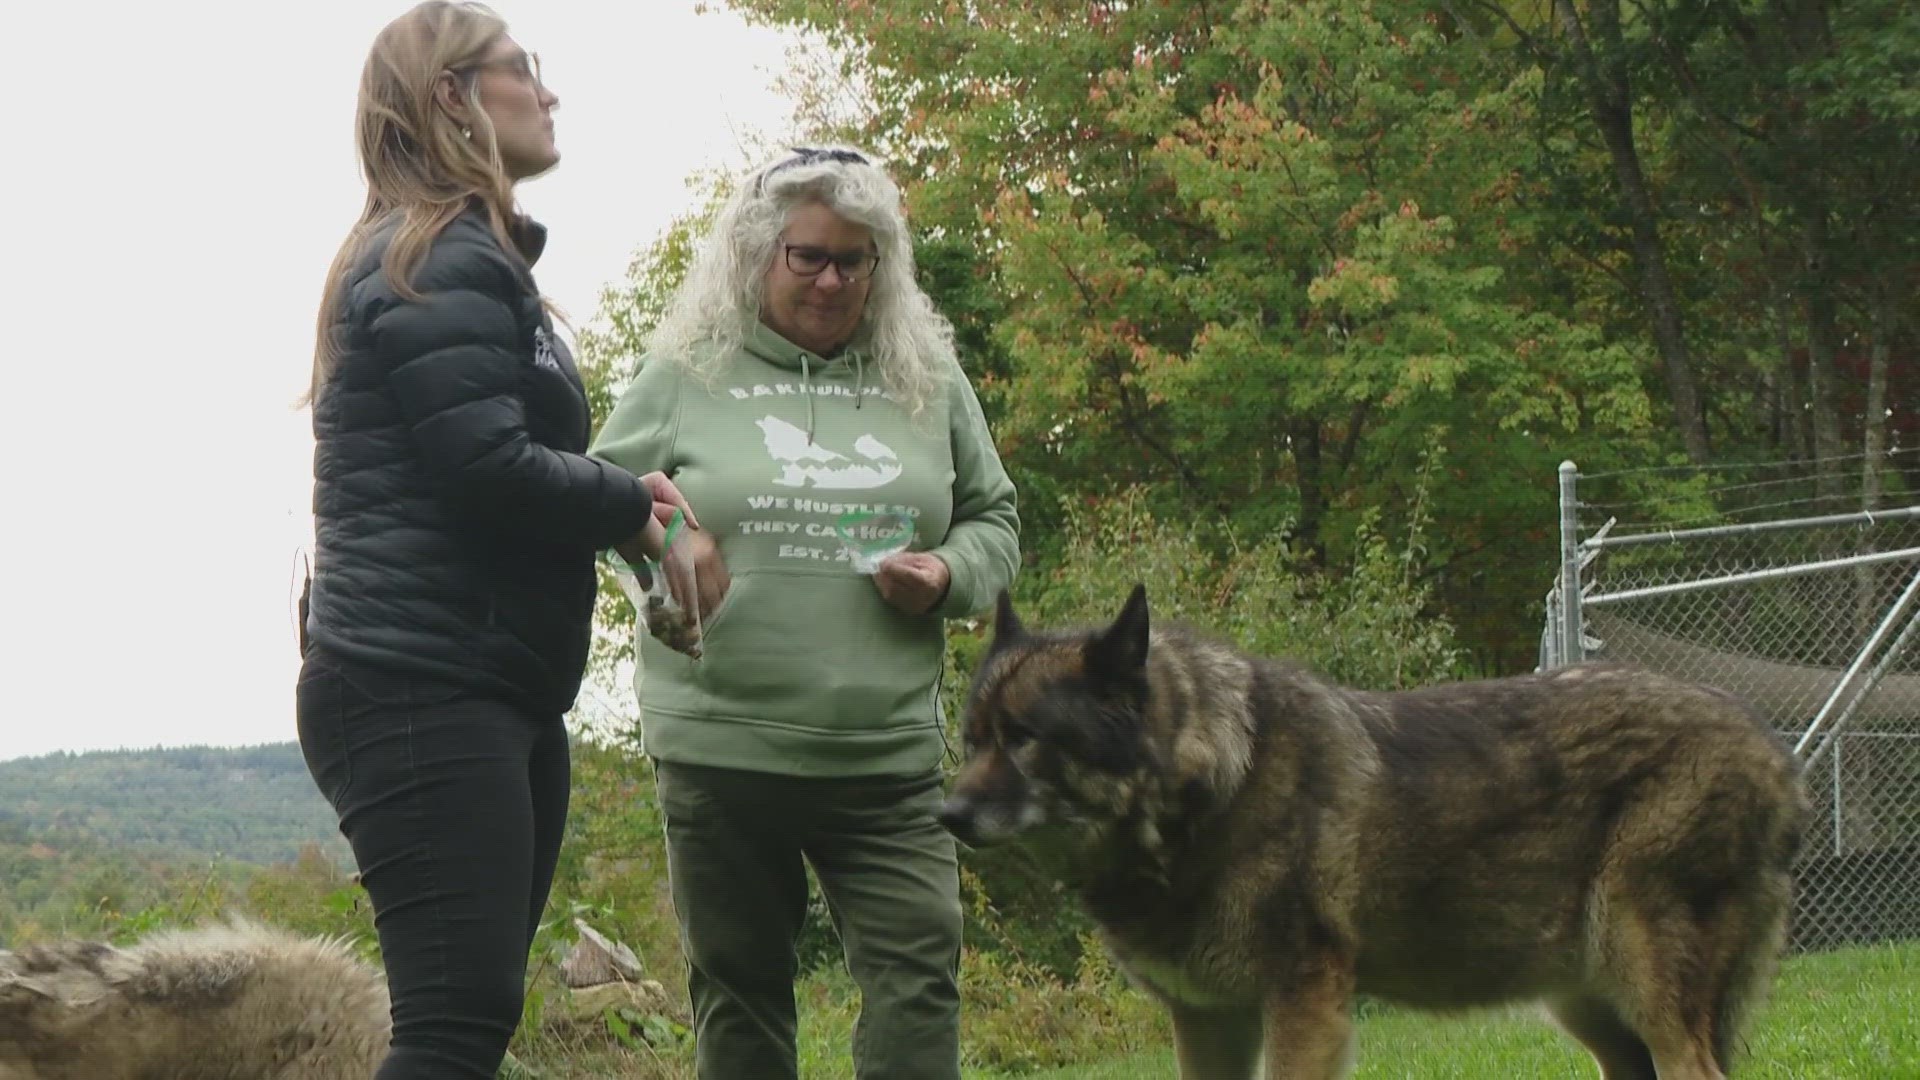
1015	734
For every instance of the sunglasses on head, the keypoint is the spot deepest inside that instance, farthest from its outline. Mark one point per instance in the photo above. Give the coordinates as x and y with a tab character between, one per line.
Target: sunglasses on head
810	155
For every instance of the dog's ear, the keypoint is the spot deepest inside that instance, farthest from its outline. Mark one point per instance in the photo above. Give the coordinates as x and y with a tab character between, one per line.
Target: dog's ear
1120	651
1006	625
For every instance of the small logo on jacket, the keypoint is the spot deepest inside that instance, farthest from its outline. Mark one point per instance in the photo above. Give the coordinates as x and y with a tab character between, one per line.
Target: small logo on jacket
543	351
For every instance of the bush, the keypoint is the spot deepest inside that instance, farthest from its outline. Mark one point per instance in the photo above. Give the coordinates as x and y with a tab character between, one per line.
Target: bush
1368	625
314	895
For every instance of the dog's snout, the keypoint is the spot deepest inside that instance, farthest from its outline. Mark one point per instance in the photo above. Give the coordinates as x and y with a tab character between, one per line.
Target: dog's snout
957	817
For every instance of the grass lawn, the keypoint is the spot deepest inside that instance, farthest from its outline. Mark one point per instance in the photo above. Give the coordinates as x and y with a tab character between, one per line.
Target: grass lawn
1852	1015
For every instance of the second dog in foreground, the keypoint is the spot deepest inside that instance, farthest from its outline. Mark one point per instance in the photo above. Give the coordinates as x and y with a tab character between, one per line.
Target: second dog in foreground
235	1002
1258	845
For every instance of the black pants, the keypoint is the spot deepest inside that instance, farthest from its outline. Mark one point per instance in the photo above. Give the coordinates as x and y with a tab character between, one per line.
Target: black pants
454	804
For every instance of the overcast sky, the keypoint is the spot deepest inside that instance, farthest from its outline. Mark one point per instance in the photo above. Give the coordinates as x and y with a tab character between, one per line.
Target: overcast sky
182	174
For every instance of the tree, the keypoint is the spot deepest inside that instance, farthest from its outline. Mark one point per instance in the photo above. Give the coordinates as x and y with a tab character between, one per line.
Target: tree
1774	140
1256	257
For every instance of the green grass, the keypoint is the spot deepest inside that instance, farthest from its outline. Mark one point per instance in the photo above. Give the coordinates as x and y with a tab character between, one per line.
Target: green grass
1852	1015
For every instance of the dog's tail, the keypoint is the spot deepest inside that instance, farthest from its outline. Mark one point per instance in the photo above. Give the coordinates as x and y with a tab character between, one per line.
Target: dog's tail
1759	927
1763	923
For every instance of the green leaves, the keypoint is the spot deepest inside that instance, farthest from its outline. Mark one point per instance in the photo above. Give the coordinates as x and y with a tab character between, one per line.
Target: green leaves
1252	256
1247	256
1370	626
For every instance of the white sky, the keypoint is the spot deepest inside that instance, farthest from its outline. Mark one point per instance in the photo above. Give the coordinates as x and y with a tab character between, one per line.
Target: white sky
182	174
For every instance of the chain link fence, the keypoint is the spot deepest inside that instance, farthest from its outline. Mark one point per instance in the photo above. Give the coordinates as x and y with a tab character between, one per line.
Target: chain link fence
1814	620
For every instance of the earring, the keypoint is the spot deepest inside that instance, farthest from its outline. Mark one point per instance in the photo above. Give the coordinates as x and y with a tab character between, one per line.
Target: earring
467	131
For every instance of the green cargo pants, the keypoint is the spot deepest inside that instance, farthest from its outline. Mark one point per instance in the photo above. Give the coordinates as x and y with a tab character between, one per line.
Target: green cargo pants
735	845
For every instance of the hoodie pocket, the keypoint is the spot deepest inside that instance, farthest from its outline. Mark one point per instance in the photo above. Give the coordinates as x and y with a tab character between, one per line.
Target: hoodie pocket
818	649
711	621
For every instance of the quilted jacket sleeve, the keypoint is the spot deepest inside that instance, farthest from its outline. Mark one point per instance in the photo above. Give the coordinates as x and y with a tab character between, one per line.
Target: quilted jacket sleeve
455	360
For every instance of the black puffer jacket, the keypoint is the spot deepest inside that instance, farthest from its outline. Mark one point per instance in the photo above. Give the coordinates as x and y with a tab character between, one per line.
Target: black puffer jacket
456	515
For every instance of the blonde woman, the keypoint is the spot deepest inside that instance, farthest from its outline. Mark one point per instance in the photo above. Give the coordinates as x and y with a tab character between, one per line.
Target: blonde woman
799	388
457	520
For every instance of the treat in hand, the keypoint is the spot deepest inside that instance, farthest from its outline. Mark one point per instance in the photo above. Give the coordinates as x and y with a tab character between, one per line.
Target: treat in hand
663	591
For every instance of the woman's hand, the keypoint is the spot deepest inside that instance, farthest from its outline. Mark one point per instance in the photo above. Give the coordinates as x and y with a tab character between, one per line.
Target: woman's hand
645	544
667	495
697	549
711	579
913	581
693	548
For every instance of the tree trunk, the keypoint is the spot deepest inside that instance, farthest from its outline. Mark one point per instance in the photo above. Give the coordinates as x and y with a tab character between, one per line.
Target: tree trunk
1823	337
1867	580
1310	475
1799	418
1612	104
1874	443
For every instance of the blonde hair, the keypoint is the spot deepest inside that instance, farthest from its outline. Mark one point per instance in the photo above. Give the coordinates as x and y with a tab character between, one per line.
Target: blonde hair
418	160
718	304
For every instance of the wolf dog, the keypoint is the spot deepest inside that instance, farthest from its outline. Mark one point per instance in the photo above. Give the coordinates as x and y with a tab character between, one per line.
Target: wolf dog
1258	845
238	1001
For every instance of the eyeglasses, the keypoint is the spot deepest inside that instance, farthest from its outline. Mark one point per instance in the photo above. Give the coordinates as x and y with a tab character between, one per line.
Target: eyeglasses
807	261
811	155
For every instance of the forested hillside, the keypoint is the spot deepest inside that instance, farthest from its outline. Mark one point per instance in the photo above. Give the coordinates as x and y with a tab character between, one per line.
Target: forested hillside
251	804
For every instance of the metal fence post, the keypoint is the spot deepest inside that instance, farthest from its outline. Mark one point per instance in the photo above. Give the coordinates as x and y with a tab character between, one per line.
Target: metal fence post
1894	614
1839	806
1571	645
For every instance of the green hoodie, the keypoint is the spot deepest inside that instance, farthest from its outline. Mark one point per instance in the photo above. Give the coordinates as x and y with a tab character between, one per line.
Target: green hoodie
805	669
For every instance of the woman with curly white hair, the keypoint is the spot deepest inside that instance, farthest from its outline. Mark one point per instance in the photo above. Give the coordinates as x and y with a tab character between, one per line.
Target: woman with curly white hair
803	393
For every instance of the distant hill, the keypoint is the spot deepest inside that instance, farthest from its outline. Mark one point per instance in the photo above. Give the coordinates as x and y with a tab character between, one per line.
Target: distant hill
253	804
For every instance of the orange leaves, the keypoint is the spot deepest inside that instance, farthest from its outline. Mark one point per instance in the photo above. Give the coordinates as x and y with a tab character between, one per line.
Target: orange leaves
1367	208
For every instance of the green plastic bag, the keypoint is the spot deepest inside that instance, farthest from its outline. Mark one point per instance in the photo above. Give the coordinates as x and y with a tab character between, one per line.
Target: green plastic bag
867	538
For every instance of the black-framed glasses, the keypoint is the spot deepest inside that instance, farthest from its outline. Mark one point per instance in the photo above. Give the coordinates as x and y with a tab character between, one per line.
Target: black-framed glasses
808	261
811	155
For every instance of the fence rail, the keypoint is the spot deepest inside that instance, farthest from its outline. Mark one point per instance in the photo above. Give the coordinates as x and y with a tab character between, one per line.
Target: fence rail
1814	621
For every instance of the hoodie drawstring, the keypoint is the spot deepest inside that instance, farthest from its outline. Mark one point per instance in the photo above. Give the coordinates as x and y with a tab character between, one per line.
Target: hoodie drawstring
806	386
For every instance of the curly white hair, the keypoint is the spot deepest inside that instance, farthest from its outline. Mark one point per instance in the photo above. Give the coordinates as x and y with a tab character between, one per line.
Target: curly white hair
900	332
